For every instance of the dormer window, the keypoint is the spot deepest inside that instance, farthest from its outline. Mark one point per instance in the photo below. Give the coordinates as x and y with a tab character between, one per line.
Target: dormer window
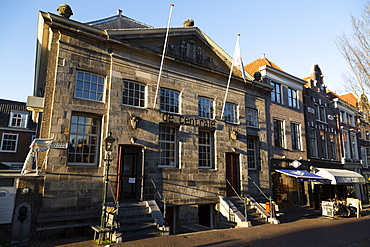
18	119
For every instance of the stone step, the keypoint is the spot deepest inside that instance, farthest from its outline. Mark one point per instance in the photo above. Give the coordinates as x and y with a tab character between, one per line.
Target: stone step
132	211
130	236
138	227
132	204
133	216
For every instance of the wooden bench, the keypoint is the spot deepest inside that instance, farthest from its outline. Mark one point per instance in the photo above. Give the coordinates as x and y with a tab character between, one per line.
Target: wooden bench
63	220
110	227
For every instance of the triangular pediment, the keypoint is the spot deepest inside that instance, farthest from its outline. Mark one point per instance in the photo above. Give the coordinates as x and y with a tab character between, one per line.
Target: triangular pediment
188	45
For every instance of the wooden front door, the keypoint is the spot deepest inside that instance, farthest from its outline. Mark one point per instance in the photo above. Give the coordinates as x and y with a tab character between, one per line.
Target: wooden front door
232	174
130	174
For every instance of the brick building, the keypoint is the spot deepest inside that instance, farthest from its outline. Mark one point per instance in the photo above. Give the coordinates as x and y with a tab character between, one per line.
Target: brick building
285	128
17	131
323	134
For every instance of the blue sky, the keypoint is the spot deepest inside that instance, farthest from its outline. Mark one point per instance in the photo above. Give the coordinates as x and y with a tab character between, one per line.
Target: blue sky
293	34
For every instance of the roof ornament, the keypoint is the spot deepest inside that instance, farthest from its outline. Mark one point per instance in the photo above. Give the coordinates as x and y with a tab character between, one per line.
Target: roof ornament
189	23
257	76
119	12
65	10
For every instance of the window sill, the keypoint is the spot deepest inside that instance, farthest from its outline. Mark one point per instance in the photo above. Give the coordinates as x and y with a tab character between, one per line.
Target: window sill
134	106
207	169
98	101
168	167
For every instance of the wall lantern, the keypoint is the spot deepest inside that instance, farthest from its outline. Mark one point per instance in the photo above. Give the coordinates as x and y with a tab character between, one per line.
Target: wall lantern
109	142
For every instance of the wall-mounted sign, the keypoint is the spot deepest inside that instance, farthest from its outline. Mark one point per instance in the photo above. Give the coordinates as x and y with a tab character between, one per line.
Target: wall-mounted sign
59	145
296	164
193	121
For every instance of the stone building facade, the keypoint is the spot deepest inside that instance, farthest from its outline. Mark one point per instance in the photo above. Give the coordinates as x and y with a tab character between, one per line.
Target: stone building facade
170	136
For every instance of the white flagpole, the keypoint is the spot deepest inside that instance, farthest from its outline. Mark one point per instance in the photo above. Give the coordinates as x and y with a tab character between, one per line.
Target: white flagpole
163	54
228	81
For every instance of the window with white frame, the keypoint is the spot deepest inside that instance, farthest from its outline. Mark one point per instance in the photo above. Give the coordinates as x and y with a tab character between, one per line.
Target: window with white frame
251	116
252	148
332	146
205	108
354	146
292	98
276	93
9	142
206	149
313	142
89	86
231	113
18	119
324	148
133	94
168	146
169	101
296	136
347	152
84	140
279	137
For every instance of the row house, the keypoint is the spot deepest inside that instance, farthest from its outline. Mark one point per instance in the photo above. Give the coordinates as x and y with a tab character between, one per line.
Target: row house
323	134
332	140
364	143
286	128
17	130
172	141
347	113
313	139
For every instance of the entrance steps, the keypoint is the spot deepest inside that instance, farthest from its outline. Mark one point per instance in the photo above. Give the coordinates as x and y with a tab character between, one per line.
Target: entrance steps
232	208
135	221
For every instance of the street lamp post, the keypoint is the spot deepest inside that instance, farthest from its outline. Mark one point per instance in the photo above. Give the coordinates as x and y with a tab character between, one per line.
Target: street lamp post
108	149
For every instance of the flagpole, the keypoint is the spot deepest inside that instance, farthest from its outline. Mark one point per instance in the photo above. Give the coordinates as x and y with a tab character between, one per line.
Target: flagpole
228	81
163	54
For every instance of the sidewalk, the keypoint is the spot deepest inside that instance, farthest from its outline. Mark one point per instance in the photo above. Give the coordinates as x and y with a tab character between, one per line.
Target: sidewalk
297	221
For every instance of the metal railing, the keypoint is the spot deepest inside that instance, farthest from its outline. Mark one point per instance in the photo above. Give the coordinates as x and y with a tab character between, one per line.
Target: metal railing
244	199
163	199
272	207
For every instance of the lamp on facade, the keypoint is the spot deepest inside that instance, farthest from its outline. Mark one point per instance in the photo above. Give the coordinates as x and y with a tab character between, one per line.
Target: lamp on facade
108	151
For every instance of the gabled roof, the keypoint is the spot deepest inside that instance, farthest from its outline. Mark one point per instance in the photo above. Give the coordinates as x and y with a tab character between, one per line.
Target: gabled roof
146	38
350	98
7	106
263	61
118	21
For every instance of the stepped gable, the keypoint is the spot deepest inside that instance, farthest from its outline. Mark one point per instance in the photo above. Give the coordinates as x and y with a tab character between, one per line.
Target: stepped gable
118	21
255	65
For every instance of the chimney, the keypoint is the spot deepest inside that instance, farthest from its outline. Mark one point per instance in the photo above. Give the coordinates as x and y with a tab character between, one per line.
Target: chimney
119	12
